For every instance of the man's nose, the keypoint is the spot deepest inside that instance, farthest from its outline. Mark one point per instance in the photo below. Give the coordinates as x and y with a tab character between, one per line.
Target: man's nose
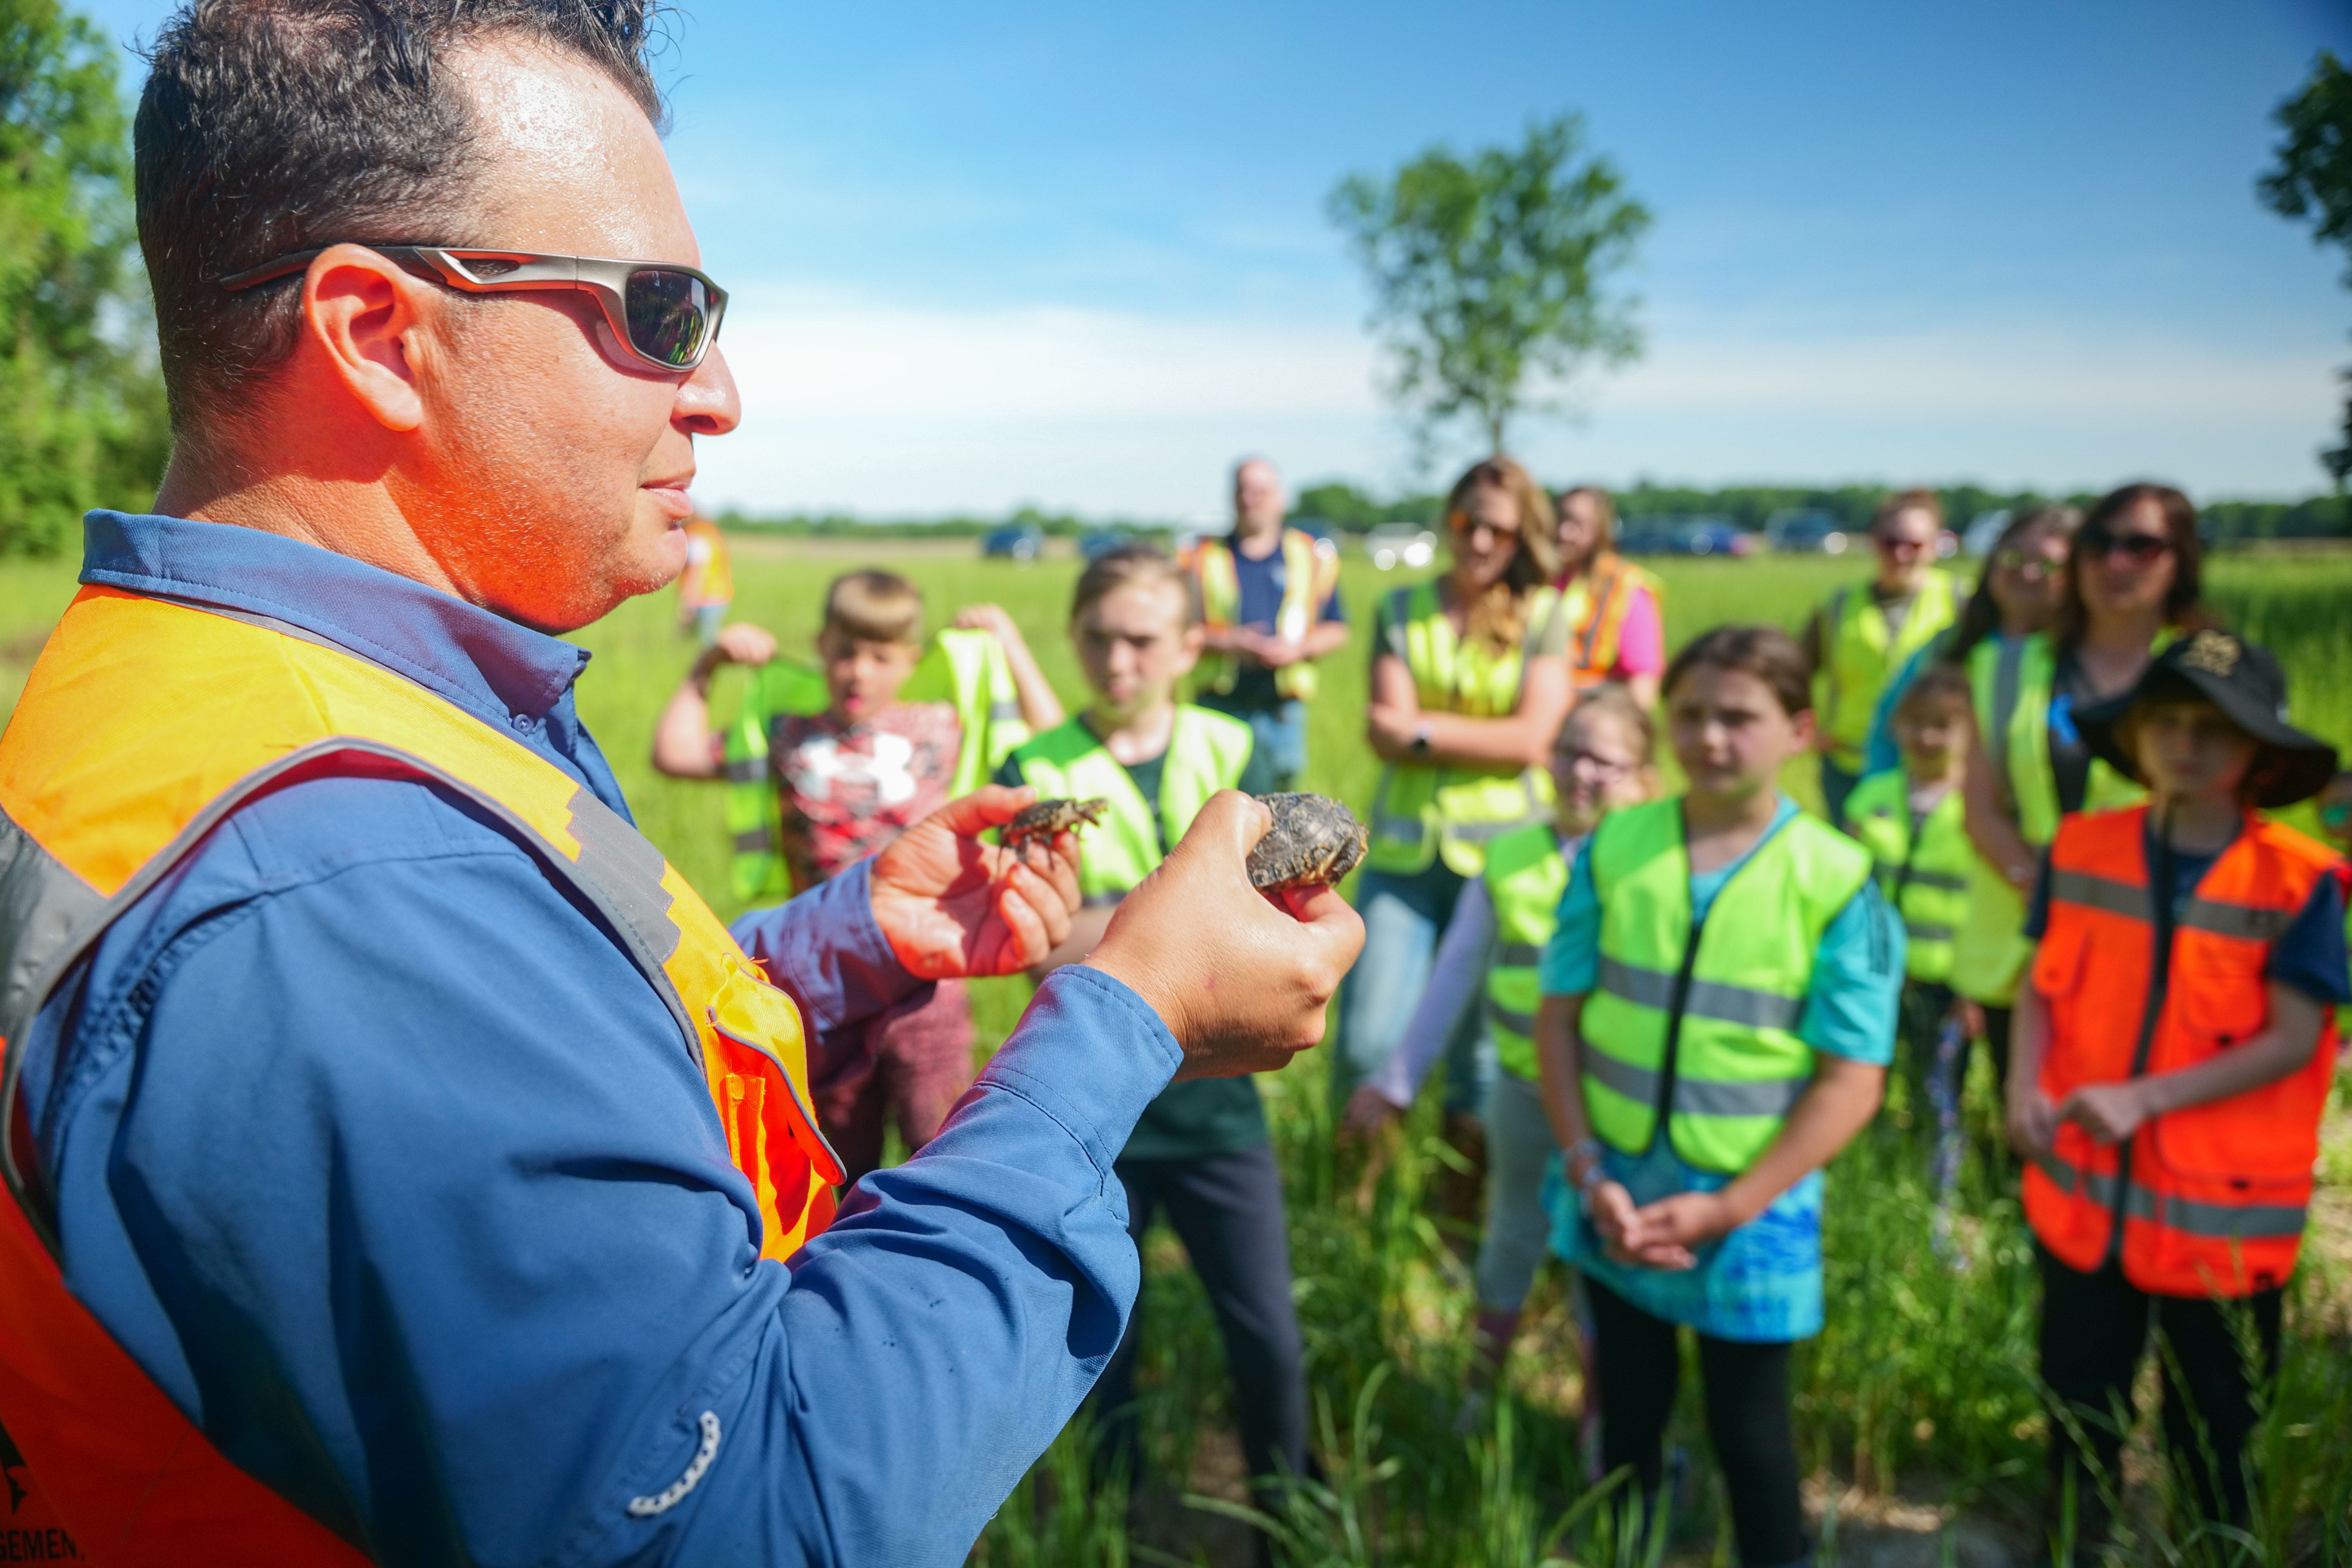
708	402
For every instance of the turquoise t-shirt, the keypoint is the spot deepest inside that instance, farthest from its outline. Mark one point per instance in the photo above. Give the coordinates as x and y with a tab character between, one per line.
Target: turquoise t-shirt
1761	1283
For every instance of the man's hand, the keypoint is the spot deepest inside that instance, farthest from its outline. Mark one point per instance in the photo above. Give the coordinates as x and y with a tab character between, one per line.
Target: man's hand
2109	1112
1240	977
953	908
2032	1119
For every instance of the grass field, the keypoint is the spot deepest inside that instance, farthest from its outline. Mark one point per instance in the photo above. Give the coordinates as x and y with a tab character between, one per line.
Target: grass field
1917	1411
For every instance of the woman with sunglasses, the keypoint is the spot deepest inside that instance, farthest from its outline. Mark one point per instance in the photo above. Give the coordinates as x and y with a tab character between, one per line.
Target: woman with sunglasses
1470	682
2130	585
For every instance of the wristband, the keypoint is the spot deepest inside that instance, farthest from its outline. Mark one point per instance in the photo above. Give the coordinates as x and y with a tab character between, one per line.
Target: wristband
1421	736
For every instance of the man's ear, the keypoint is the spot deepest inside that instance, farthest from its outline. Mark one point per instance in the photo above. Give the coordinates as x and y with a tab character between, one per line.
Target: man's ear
367	318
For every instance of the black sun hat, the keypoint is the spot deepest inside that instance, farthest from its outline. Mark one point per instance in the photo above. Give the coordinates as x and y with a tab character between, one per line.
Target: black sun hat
2245	681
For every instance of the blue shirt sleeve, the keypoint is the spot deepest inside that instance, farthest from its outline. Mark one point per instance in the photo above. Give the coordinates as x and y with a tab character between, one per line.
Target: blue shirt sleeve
1571	965
2310	953
1857	982
479	1266
825	949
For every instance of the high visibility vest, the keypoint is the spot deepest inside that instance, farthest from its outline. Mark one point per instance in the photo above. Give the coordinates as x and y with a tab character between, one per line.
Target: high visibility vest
1597	601
2210	1198
966	668
1700	1018
1206	752
144	724
1422	810
1310	570
1922	873
1858	658
717	585
2012	681
1525	874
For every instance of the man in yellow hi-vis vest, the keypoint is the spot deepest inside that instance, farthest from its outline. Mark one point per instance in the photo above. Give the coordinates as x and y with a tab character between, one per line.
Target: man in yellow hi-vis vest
1270	607
403	1163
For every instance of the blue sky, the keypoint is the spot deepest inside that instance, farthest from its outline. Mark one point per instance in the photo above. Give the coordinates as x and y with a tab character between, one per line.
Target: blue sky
1076	255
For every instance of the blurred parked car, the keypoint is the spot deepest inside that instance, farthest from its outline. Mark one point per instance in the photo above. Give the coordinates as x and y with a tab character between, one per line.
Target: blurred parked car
1019	544
1807	533
1395	544
1669	535
1099	542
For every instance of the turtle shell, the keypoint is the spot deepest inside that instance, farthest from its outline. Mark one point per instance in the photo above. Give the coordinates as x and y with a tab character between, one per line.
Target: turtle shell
1315	841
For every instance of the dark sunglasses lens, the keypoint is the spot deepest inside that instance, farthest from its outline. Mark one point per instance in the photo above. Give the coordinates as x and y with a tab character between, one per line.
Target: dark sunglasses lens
2137	548
669	315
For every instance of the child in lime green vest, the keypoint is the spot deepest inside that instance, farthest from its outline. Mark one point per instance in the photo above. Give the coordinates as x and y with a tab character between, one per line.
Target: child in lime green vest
1601	760
1201	1152
1910	818
1718	1013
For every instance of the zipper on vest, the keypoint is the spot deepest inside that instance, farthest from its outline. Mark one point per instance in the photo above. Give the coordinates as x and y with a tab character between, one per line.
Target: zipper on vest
2160	985
1675	1003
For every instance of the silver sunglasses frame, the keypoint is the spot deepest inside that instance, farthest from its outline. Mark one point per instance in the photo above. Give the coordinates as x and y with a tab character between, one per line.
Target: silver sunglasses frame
605	278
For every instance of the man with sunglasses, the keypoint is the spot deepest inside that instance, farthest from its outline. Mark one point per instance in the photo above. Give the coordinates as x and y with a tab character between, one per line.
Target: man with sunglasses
401	1162
1867	630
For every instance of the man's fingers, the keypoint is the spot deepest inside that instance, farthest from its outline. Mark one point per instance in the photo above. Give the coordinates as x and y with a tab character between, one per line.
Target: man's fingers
1230	824
1027	934
1047	910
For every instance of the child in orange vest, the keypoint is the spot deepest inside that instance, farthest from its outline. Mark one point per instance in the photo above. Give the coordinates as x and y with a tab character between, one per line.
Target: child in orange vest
2171	1062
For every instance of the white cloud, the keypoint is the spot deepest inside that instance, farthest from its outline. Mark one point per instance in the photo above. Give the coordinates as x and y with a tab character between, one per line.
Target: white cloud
880	408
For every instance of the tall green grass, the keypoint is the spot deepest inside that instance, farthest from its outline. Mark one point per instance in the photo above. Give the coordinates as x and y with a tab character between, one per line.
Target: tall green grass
1921	1384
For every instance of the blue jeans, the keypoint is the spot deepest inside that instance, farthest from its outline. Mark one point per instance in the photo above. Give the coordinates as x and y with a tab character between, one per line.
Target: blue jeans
1404	917
1279	733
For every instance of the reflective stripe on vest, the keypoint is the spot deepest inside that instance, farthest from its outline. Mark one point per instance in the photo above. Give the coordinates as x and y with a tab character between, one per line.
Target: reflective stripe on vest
1924	874
1598	600
963	667
1701	1018
2209	1199
1422	810
1857	656
144	726
1310	570
1206	752
1525	874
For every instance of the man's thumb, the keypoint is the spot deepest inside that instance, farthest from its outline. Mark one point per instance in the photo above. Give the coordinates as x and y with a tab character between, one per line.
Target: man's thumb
1231	824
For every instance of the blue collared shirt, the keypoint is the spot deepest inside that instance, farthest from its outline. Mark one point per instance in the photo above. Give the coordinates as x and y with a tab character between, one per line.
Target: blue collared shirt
392	1170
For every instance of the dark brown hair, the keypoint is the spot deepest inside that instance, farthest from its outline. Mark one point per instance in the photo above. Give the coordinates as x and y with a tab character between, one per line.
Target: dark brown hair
1768	653
2182	606
272	126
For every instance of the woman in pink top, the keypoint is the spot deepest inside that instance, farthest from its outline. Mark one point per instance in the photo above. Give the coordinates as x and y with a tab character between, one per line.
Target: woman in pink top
1615	631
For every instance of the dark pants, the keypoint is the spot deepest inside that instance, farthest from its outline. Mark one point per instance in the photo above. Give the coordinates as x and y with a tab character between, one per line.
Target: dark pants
2094	1328
1747	1389
1934	1082
1997	1043
1227	1211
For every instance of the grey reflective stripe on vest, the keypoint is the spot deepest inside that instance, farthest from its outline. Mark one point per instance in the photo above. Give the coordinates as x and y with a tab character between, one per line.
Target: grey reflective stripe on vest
754	840
1705	999
2245	923
1402	829
1518	1023
1920	931
1005	712
1948	881
1518	955
745	769
52	916
2192	1216
1695	1096
1400	616
1487	832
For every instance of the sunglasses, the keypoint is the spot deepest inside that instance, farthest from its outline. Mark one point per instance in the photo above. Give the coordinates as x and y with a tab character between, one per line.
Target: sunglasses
1464	524
661	313
2140	549
2033	568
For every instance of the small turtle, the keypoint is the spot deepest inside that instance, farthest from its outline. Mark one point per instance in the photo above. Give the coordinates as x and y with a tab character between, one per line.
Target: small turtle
1039	823
1315	840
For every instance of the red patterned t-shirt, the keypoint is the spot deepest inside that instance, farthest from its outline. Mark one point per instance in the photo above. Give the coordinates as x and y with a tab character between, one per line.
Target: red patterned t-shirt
849	790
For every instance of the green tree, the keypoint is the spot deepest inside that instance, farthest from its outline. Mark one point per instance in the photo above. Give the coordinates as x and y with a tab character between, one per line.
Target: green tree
81	411
2312	182
1488	270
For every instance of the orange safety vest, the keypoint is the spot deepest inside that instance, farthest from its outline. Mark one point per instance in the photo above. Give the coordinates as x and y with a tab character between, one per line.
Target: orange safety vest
144	724
1599	596
716	583
2210	1197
